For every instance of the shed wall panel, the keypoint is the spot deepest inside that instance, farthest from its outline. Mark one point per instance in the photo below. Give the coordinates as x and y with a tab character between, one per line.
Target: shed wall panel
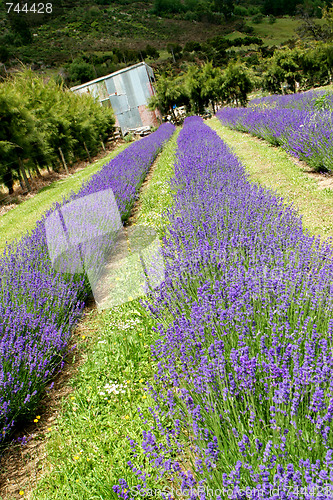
110	85
129	119
131	86
119	103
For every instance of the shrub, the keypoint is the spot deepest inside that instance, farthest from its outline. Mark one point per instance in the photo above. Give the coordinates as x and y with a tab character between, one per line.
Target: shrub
257	19
80	71
240	10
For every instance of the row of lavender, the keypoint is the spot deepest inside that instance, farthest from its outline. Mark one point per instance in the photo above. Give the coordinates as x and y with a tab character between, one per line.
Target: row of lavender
244	385
38	305
301	100
301	123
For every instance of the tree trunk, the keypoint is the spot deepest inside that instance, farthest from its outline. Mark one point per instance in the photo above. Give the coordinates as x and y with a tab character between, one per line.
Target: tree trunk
87	151
21	181
24	175
38	171
103	146
329	69
8	181
63	160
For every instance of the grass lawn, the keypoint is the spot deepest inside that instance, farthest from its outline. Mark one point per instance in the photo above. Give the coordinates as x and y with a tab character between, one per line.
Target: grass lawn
24	217
277	33
87	449
272	167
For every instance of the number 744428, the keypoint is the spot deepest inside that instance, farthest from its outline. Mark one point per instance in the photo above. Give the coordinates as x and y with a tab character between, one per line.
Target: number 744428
36	8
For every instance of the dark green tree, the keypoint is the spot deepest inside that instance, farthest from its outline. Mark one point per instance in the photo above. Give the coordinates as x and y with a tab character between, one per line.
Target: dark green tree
272	79
80	71
280	7
161	7
175	50
38	118
192	46
16	133
152	52
4	54
169	92
190	5
212	89
226	7
237	84
20	28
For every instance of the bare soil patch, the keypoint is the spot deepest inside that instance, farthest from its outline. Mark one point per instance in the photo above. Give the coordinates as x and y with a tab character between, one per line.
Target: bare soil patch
324	180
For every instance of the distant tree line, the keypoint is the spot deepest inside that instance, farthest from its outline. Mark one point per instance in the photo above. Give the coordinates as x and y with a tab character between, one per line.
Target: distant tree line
86	67
89	66
283	70
37	119
290	69
223	10
201	86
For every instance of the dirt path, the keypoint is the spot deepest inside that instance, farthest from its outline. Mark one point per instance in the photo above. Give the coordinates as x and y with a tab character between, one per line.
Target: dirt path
310	193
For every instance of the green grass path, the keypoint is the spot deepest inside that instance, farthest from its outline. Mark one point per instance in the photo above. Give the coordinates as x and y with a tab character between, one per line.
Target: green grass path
272	167
87	449
23	217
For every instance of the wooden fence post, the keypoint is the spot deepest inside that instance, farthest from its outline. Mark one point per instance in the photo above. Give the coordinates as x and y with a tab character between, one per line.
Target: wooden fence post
103	146
85	147
63	160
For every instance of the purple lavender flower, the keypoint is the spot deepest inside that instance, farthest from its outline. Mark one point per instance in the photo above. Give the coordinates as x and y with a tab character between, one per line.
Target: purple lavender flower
39	307
245	334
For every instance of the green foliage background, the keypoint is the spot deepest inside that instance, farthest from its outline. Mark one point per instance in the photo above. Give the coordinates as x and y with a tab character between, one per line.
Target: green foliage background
38	118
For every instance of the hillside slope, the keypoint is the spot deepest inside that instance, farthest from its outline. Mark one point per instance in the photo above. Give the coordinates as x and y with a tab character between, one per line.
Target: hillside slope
96	26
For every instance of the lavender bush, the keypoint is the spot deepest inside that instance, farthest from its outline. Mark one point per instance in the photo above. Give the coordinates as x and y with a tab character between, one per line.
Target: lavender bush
244	382
301	123
38	305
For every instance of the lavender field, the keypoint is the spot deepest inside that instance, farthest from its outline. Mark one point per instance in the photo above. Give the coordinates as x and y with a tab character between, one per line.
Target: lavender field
40	306
300	123
243	397
233	396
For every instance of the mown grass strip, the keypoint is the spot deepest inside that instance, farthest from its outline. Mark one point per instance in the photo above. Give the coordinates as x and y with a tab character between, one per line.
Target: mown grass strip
88	450
157	195
23	217
274	168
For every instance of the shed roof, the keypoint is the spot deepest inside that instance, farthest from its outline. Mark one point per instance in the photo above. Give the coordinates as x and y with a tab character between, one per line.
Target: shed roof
111	75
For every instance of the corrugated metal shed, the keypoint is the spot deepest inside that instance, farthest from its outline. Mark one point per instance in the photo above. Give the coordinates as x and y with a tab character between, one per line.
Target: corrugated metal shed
128	91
